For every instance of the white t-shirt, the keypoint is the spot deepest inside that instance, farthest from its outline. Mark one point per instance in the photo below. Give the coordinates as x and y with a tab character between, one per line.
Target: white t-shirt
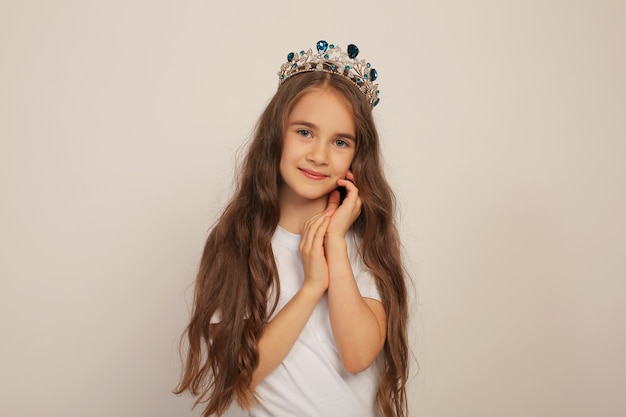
311	381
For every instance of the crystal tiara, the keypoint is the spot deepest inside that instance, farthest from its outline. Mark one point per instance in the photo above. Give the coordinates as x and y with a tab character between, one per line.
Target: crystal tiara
330	58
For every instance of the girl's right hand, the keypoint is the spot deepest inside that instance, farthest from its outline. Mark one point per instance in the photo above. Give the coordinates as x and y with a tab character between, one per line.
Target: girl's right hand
312	252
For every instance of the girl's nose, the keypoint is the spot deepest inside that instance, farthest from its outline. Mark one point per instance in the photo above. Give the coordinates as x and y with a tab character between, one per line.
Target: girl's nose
318	154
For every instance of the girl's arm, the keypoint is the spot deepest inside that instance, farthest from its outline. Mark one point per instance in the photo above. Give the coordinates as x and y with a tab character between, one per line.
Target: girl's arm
281	333
359	324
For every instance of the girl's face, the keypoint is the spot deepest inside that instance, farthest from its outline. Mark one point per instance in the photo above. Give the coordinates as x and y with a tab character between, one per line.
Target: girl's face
318	146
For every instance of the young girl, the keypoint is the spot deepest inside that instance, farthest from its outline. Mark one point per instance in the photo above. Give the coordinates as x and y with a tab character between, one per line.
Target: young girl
300	304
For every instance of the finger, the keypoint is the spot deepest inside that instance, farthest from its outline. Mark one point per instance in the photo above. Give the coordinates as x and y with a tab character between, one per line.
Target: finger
350	176
309	224
314	241
311	228
349	185
352	202
318	237
333	201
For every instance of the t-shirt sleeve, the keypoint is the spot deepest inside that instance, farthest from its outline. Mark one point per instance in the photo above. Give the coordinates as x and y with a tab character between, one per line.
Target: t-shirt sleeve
367	285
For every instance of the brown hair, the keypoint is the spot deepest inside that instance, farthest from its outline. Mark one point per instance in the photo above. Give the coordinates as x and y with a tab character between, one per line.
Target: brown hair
237	267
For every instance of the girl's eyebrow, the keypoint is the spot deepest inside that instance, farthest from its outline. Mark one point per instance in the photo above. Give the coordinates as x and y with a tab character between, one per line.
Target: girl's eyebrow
313	126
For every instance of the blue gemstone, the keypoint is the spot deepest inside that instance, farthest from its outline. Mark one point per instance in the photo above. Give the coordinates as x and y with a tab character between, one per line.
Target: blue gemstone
353	51
322	46
369	65
374	104
325	56
373	74
365	76
302	52
332	67
290	56
358	80
347	67
294	66
331	46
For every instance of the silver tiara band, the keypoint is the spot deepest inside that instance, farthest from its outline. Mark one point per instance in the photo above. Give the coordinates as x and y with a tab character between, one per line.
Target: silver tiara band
330	58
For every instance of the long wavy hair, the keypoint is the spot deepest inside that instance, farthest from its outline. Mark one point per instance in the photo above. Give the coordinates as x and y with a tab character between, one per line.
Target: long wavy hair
237	269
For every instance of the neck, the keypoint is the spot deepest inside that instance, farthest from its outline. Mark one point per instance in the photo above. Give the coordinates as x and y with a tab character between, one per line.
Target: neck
295	212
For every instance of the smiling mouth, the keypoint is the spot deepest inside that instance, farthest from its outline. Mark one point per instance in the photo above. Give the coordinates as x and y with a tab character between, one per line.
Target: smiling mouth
313	174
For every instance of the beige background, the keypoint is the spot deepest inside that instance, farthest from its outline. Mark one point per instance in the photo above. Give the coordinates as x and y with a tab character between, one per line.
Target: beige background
504	135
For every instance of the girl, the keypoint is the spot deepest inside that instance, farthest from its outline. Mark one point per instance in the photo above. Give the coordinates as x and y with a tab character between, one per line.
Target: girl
300	305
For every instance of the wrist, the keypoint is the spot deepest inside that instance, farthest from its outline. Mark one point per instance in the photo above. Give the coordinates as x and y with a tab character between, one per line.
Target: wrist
335	240
312	292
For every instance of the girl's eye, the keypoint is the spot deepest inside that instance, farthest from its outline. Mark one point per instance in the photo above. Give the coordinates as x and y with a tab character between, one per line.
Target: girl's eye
341	143
304	132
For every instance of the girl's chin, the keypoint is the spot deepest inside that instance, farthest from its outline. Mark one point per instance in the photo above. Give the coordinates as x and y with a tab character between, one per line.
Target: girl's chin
305	198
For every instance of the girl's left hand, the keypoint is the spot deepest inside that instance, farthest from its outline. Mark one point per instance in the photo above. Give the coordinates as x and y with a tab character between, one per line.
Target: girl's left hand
344	214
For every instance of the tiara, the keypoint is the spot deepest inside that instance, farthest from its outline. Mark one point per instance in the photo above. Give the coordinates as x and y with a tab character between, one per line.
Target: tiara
330	58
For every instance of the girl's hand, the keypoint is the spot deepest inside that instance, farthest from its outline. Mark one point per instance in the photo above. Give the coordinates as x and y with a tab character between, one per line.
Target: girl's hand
342	216
312	252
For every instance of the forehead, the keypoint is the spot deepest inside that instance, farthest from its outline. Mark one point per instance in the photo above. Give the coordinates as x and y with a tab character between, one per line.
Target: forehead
326	108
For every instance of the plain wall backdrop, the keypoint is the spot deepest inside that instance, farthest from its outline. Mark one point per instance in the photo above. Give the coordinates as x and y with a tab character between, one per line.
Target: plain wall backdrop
504	134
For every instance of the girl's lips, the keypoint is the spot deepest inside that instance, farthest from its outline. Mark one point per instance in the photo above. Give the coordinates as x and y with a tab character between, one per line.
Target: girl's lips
314	175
